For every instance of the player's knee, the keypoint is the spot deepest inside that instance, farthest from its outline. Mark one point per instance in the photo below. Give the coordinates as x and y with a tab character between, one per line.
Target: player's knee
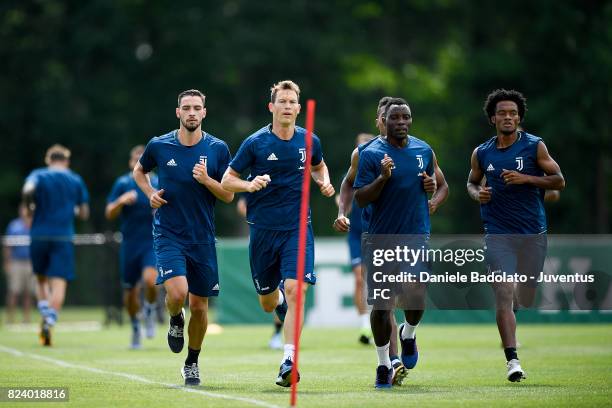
149	281
504	293
526	298
149	277
382	316
291	290
131	295
175	297
268	302
198	311
503	300
268	307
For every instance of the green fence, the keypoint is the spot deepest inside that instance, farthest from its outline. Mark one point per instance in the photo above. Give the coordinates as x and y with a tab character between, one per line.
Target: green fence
330	302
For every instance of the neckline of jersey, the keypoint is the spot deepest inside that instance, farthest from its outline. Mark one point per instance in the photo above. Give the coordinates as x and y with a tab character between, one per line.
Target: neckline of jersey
176	139
520	135
386	140
276	136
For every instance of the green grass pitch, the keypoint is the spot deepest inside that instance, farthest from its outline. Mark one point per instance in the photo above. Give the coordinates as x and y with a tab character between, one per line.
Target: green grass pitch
460	365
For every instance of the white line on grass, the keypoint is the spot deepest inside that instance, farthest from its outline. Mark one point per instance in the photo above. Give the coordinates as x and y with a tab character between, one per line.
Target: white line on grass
18	353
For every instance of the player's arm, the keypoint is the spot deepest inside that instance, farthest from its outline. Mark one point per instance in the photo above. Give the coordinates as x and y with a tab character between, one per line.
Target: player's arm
551	196
113	209
82	211
241	207
341	224
200	173
370	192
474	187
27	196
553	180
320	175
143	181
232	182
441	191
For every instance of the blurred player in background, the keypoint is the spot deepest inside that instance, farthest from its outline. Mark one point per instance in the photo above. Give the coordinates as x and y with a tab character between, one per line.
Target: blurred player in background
55	194
190	164
17	266
343	224
276	341
395	175
276	155
518	170
137	260
354	243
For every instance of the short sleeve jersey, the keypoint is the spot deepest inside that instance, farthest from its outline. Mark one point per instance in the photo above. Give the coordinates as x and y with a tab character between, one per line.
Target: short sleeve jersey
276	207
16	228
189	216
402	206
57	192
135	220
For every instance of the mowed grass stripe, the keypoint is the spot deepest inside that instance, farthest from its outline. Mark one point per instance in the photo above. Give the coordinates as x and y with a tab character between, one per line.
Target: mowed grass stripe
132	377
461	365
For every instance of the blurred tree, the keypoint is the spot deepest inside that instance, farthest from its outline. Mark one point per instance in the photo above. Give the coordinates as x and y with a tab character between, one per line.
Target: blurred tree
103	76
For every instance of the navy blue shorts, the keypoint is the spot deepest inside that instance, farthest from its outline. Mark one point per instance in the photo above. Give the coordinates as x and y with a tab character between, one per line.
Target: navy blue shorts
520	254
384	293
273	257
133	263
354	242
54	259
197	262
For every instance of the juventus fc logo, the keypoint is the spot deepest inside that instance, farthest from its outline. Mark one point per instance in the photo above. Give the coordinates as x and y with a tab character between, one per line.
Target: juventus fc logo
519	163
419	158
203	160
302	151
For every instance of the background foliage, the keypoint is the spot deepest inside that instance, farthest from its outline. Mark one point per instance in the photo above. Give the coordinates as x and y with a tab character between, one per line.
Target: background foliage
102	76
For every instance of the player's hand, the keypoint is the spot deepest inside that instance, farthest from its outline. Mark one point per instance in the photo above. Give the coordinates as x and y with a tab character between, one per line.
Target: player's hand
386	165
258	183
342	224
326	188
429	183
484	194
128	198
514	177
432	207
156	199
200	173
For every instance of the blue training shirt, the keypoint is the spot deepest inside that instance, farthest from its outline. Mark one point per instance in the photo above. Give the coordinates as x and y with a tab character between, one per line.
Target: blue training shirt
276	207
355	218
366	213
135	220
189	216
19	228
57	192
513	209
402	206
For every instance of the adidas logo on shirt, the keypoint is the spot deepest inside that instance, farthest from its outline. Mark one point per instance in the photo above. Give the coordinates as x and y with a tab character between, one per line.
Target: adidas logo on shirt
171	163
490	168
272	157
216	287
